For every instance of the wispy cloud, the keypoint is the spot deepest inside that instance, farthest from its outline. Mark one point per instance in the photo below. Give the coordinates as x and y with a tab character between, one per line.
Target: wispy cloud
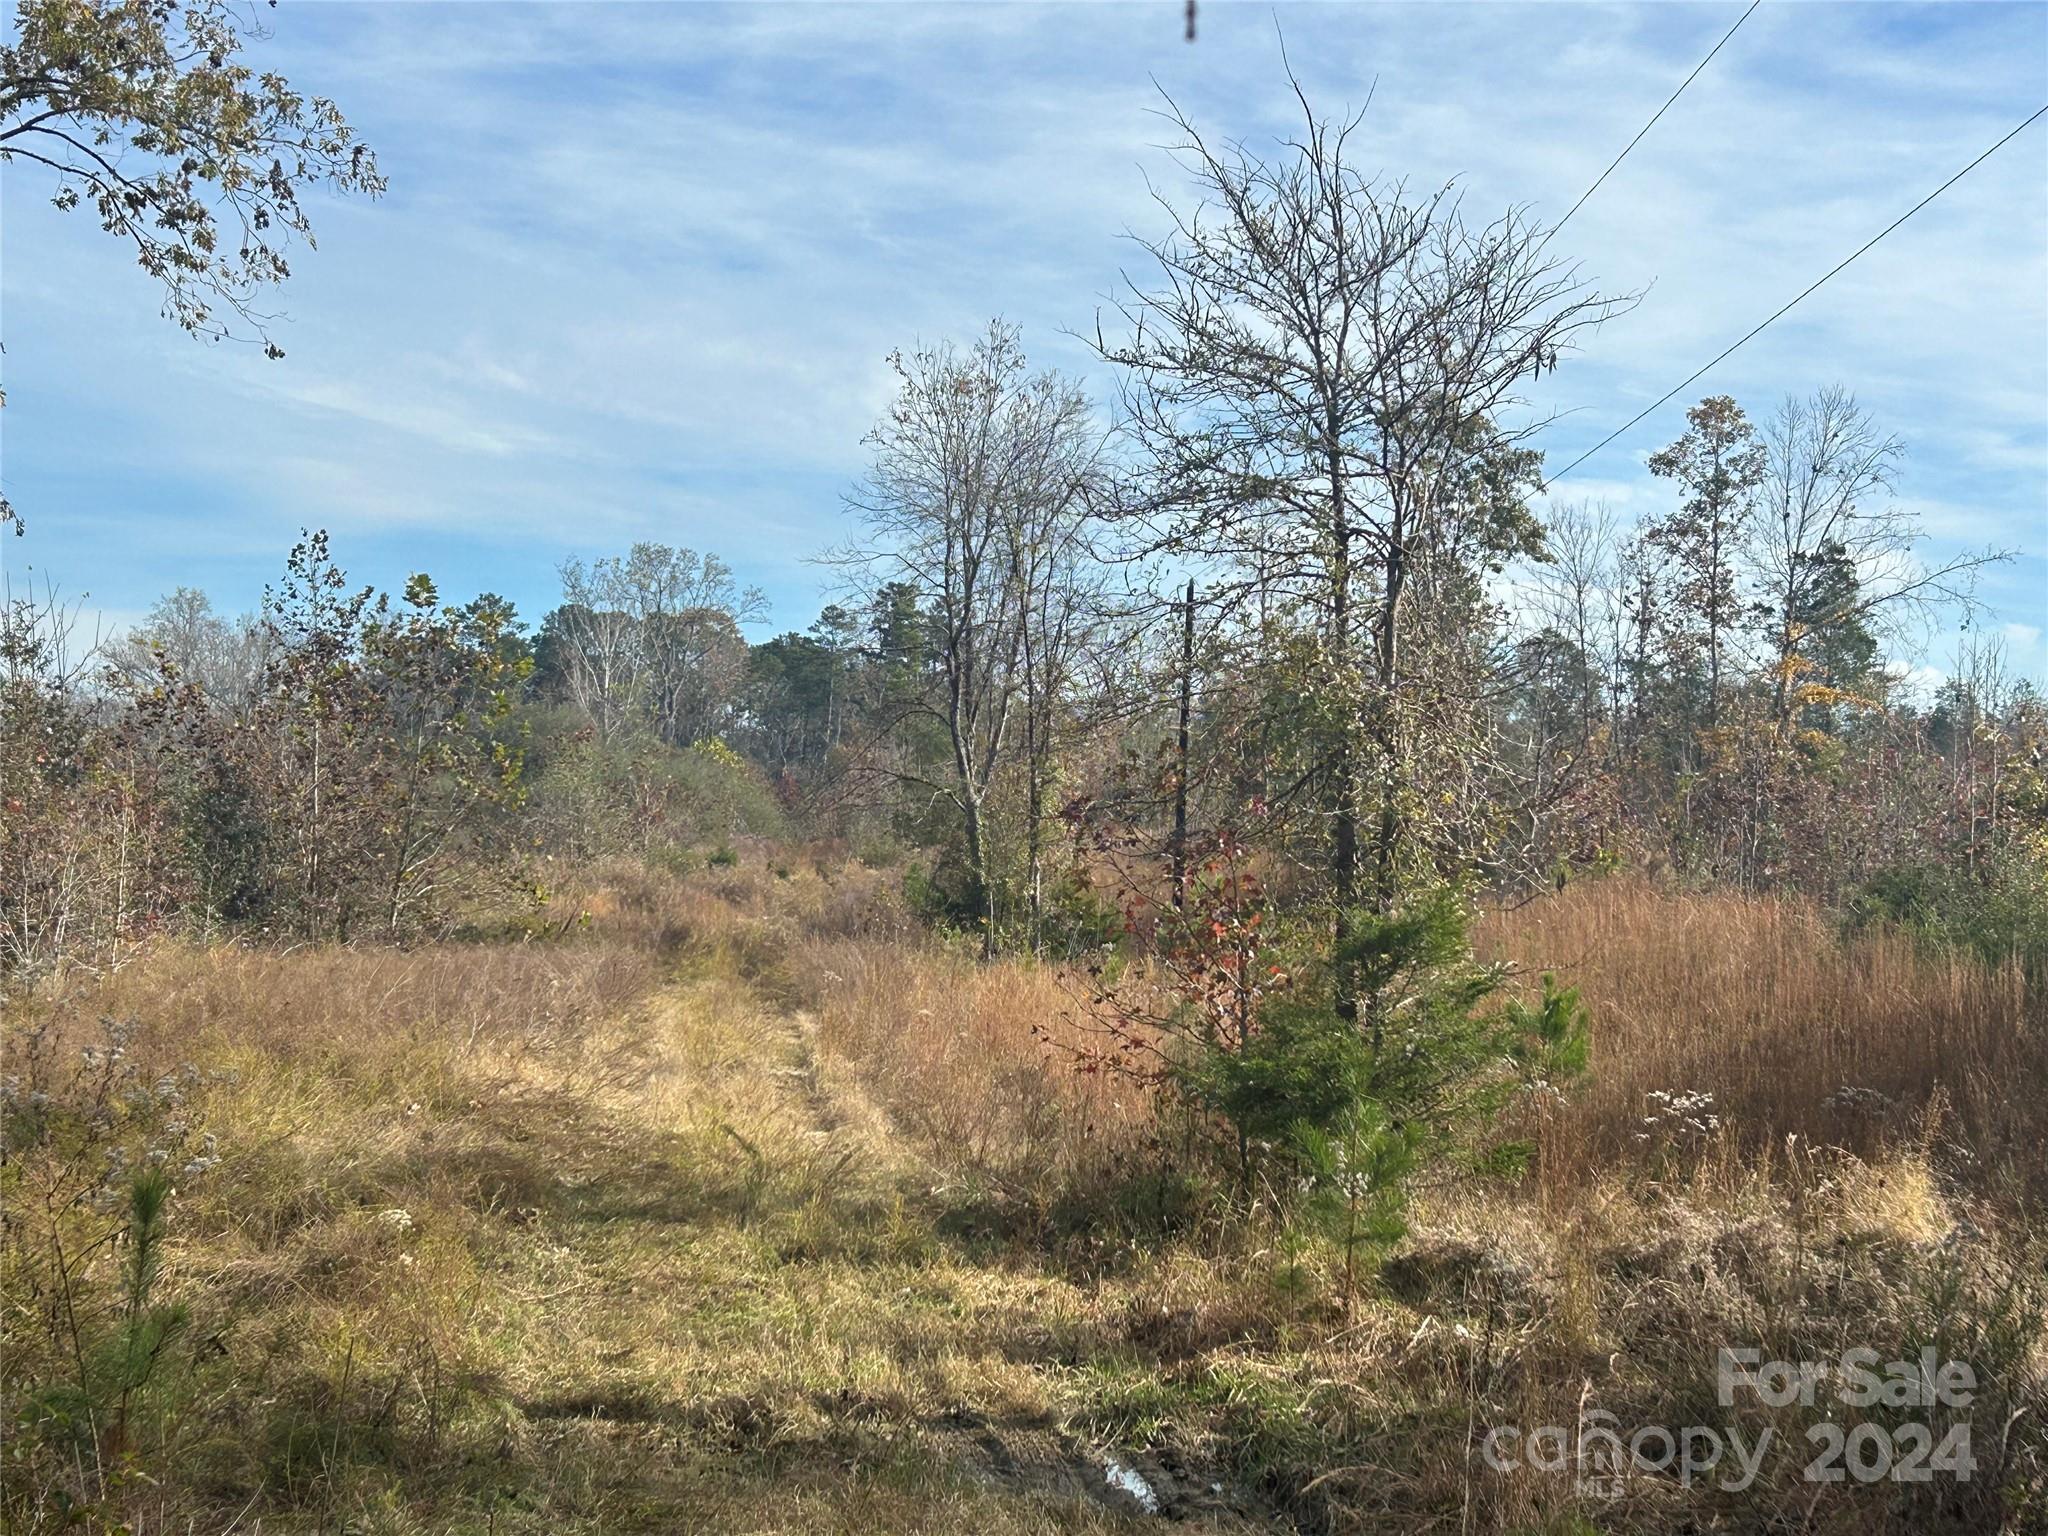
641	265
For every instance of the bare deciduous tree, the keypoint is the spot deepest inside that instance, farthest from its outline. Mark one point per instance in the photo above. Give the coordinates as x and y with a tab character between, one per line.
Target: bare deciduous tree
974	504
652	638
1063	615
1321	378
223	658
1579	599
1831	550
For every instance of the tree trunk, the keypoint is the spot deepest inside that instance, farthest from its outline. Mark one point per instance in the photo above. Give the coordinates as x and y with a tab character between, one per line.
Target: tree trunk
1344	771
977	863
1180	771
1034	821
1387	676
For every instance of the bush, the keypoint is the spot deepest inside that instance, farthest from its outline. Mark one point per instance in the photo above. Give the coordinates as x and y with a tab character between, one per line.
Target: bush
1441	1053
946	896
1077	919
591	797
1357	1105
1999	913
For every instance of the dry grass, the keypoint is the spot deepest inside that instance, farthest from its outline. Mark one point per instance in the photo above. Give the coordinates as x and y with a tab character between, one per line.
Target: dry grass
1791	1031
576	1234
1865	1044
969	1058
692	1205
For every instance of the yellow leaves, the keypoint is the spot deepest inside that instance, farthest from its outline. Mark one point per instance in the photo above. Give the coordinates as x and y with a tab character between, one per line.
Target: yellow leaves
1792	665
1820	694
716	749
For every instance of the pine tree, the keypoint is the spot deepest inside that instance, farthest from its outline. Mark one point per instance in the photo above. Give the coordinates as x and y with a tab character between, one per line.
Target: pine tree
1718	464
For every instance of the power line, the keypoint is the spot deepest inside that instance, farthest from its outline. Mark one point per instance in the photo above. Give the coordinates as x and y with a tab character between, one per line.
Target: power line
1632	143
1787	308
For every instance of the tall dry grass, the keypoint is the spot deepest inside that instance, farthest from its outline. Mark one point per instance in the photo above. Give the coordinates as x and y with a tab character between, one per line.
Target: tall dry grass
1791	1029
975	1060
1757	1003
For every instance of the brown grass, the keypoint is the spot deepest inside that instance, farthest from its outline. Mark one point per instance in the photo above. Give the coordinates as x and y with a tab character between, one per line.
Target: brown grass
547	1235
1758	1003
671	1210
1863	1044
972	1059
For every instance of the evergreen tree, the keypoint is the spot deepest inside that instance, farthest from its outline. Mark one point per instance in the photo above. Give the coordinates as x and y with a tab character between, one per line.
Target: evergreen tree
1718	465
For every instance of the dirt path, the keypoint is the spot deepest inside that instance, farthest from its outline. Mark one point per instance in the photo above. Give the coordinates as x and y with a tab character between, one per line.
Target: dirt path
745	1316
794	1317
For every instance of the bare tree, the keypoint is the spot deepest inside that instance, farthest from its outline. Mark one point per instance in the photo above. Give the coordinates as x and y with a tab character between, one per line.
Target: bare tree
1062	588
71	829
1578	598
973	504
594	653
186	639
1321	377
652	638
1832	552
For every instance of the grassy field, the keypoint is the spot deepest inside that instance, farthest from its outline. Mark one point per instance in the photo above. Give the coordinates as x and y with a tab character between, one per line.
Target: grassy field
737	1204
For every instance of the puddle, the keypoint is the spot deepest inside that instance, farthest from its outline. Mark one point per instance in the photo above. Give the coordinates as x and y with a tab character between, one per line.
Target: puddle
1124	1480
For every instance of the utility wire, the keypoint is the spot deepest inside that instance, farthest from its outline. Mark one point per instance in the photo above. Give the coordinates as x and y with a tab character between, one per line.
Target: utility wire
1632	143
1781	313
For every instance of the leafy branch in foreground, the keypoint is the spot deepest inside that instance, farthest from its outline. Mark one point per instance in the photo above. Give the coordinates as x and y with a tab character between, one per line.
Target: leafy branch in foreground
147	111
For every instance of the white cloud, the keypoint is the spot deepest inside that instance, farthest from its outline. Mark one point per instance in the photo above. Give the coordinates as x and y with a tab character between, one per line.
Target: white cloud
640	265
444	419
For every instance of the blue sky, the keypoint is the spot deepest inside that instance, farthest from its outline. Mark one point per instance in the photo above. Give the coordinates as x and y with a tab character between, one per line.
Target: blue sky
641	265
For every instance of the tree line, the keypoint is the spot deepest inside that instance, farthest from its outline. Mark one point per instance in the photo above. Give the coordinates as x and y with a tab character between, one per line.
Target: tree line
1294	584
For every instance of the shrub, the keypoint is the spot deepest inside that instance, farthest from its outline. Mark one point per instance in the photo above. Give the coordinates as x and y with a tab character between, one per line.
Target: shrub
1358	1167
635	795
1999	913
87	854
1303	1068
1433	1046
946	895
1077	919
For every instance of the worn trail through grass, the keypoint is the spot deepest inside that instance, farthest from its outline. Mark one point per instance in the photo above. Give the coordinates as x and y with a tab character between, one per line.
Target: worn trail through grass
746	1317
